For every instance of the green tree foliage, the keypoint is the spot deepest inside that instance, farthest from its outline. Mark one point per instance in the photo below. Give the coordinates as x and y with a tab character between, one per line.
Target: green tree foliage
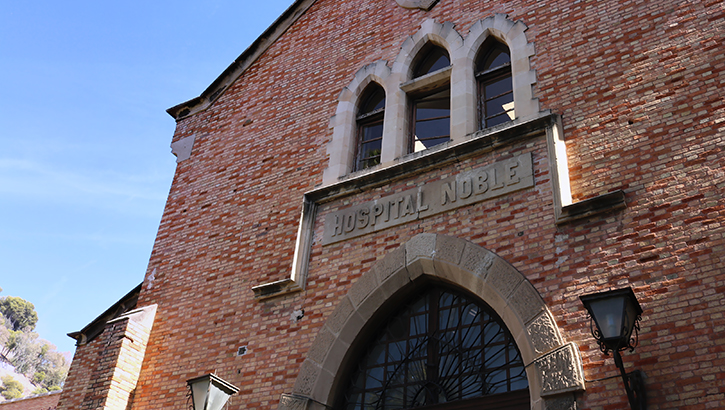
36	359
19	312
11	388
39	390
4	333
31	356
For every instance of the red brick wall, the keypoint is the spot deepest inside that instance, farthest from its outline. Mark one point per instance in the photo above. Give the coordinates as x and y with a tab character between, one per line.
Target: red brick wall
47	401
104	371
639	87
79	379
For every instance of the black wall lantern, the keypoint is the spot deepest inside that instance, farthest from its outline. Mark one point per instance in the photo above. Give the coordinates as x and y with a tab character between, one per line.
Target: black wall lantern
616	314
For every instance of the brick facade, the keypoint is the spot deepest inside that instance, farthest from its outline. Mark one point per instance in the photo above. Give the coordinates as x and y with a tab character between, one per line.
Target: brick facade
47	401
635	88
105	369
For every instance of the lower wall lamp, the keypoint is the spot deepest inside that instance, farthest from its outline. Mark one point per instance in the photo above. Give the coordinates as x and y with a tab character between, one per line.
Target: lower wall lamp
209	392
616	314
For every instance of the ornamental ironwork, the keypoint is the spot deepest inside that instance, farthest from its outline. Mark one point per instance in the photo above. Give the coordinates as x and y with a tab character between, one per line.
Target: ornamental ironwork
441	347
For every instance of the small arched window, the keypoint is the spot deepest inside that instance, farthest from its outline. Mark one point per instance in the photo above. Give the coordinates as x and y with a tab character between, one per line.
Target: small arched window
370	127
434	58
495	87
431	106
442	347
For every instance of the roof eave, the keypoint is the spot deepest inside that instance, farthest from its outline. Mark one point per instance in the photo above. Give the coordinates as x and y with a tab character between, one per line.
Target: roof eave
93	329
244	61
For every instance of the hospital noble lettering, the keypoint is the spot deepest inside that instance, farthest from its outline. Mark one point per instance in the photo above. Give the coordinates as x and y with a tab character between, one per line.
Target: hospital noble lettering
466	188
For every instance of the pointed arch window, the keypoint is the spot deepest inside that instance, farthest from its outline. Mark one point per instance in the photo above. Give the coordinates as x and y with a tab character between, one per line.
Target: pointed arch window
431	104
370	127
442	347
495	86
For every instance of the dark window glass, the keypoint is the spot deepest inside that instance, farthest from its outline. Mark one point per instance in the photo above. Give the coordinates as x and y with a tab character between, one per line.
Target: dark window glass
441	347
432	120
431	112
434	58
495	88
370	127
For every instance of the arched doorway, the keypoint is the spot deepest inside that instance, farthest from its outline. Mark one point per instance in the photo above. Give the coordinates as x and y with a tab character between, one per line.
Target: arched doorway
553	368
441	346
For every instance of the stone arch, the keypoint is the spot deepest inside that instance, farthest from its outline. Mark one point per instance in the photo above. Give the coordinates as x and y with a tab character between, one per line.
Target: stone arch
440	34
513	35
443	35
553	367
341	149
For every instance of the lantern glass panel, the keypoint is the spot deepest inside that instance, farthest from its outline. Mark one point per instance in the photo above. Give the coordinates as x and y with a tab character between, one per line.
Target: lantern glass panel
608	314
217	398
199	390
631	312
209	392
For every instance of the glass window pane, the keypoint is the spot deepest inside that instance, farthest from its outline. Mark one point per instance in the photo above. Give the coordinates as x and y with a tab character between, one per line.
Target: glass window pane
499	119
471	387
497	58
371	149
432	125
370	126
496	382
432	128
445	363
377	355
418	325
371	152
440	62
421	145
373	131
422	114
470	315
374	99
498	87
496	358
434	59
493	55
370	401
374	378
471	337
369	145
492	334
495	85
496	105
396	351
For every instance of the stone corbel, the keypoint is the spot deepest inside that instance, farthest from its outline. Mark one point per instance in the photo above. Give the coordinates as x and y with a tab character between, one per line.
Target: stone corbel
560	371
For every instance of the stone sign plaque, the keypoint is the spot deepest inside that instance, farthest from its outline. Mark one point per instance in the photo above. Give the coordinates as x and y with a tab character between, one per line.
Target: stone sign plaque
465	188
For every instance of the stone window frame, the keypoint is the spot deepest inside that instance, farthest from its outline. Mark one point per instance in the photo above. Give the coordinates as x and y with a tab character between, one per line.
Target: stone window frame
364	121
343	146
398	83
490	76
417	88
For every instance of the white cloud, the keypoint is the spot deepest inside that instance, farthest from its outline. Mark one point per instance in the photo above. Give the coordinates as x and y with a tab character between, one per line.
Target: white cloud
22	180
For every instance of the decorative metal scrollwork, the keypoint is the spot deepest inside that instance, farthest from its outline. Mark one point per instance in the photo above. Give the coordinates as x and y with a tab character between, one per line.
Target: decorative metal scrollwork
441	347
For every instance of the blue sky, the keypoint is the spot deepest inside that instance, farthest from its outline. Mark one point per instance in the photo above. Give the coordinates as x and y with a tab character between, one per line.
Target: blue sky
85	163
